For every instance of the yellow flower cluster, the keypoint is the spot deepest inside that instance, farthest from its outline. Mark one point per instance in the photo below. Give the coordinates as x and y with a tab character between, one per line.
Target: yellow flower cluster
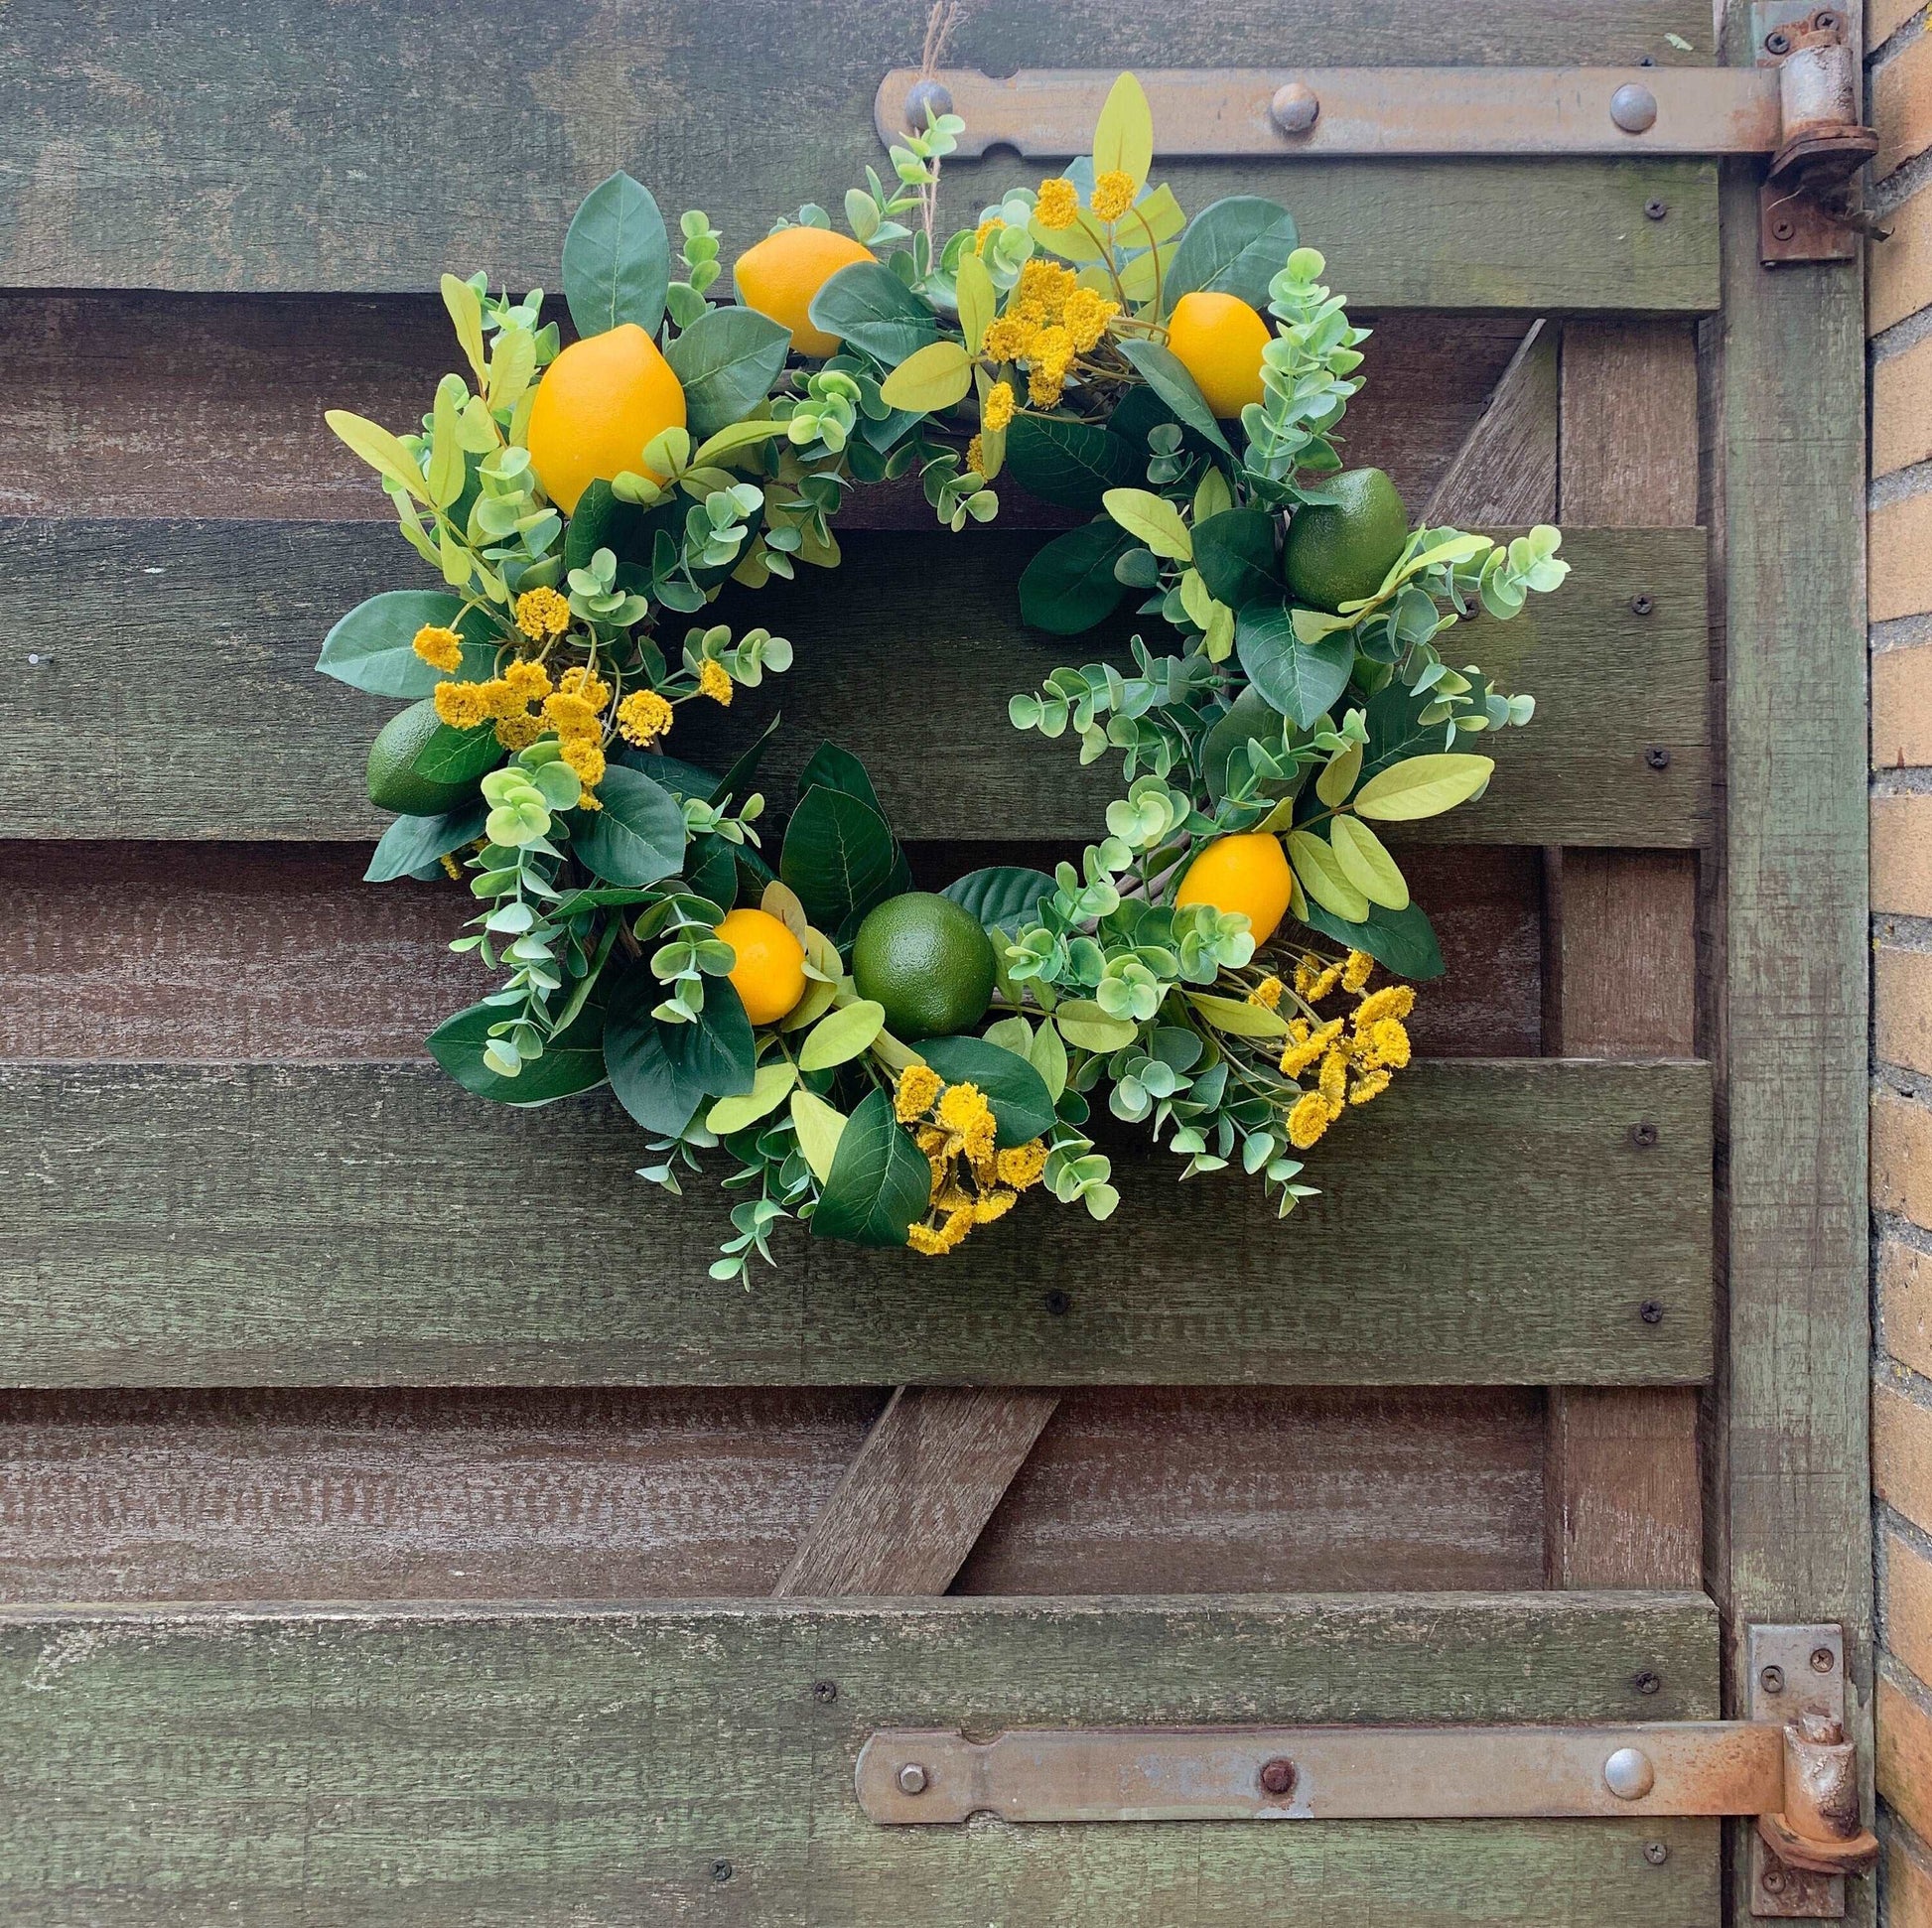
439	648
1267	994
997	410
542	615
713	681
642	717
1057	204
1113	194
973	1182
505	698
1048	319
1355	1067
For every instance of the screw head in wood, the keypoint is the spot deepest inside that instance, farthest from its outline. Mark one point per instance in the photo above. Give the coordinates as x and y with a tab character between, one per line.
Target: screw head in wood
1277	1776
1656	1853
1057	1303
911	1778
1772	1879
1777	42
1655	211
1657	757
1634	109
1643	1135
1642	605
922	94
1648	1682
1294	107
721	1871
1628	1774
1822	1660
1771	1679
1784	227
825	1692
1651	1312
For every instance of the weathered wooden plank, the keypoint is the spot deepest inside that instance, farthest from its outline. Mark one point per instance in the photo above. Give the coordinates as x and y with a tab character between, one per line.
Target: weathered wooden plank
300	148
302	1224
1625	1507
915	1498
182	653
542	1766
131	405
213	951
1505	471
633	1493
1795	1397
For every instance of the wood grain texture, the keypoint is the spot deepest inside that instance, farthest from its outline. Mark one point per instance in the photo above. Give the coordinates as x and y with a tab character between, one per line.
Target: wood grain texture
1505	471
542	1766
294	1224
1625	1506
294	148
136	405
568	1493
1154	1489
165	952
184	652
1796	1390
912	1503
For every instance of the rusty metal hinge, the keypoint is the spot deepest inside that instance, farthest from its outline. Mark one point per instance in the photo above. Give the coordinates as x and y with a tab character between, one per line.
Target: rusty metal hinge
1790	1766
1800	105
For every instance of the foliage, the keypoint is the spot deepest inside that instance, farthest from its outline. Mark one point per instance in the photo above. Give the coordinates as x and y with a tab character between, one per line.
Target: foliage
558	652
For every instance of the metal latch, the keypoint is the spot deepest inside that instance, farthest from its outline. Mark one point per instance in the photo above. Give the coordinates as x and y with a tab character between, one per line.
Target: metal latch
1799	105
1790	1766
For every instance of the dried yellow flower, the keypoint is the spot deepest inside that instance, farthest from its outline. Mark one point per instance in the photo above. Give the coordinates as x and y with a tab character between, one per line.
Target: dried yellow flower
518	732
541	614
1312	1116
1020	1165
1268	994
1057	204
642	717
919	1085
439	648
462	705
1355	971
713	681
997	410
1113	194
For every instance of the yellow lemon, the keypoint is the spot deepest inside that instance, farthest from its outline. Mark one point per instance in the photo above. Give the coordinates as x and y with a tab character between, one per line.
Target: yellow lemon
1247	873
780	275
597	406
769	975
1218	340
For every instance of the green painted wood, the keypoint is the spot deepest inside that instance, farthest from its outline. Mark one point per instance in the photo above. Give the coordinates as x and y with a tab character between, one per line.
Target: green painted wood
532	1768
182	654
286	146
1485	1223
1795	1518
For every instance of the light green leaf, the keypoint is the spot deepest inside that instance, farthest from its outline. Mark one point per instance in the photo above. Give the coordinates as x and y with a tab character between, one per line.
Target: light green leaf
1367	865
1145	272
1212	495
1153	218
445	466
465	311
1321	876
511	367
1123	137
1312	626
1196	598
977	300
819	1127
1048	1056
1422	786
1339	775
1013	1035
380	448
766	1095
929	380
843	1036
734	440
1152	519
1082	1022
1237	1016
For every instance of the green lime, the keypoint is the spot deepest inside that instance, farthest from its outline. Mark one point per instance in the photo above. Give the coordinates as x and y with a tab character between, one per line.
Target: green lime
1339	553
395	784
928	961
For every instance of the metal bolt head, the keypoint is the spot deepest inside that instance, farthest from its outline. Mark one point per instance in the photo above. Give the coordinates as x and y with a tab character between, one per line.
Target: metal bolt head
1057	1303
922	94
825	1692
1651	1312
1643	1137
1783	228
1628	1774
1648	1682
1777	42
1822	1660
1294	107
1771	1679
1277	1776
1634	109
1642	605
1655	211
1772	1879
911	1778
1656	1853
1657	757
721	1871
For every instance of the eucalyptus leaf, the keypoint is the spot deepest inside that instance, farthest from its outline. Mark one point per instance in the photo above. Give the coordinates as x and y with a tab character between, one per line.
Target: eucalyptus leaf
617	258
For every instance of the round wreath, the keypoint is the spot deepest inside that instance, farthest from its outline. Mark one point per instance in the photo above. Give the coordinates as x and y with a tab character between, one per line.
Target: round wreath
824	1023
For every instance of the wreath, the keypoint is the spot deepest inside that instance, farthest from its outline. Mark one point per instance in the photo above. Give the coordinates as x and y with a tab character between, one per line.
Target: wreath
894	1066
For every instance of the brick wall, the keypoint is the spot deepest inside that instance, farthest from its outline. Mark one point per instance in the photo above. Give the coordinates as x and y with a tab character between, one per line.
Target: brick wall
1899	319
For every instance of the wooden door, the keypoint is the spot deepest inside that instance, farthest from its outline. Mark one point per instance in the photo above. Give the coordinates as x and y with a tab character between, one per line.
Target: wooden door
385	1543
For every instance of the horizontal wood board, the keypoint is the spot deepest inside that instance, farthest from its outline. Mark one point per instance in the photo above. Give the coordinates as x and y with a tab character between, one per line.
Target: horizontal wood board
630	1493
141	404
693	1764
1488	1222
183	653
363	148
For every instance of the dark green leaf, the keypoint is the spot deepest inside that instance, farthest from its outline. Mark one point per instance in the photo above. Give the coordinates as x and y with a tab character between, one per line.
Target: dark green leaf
869	307
660	1094
1017	1092
1302	680
1003	896
1139	411
682	780
878	1181
1235	246
1235	554
839	856
1072	464
617	258
371	647
832	768
637	837
411	842
571	1062
1071	585
727	359
1395	729
717	1051
600	521
457	755
1164	371
1252	717
732	782
711	870
1404	940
